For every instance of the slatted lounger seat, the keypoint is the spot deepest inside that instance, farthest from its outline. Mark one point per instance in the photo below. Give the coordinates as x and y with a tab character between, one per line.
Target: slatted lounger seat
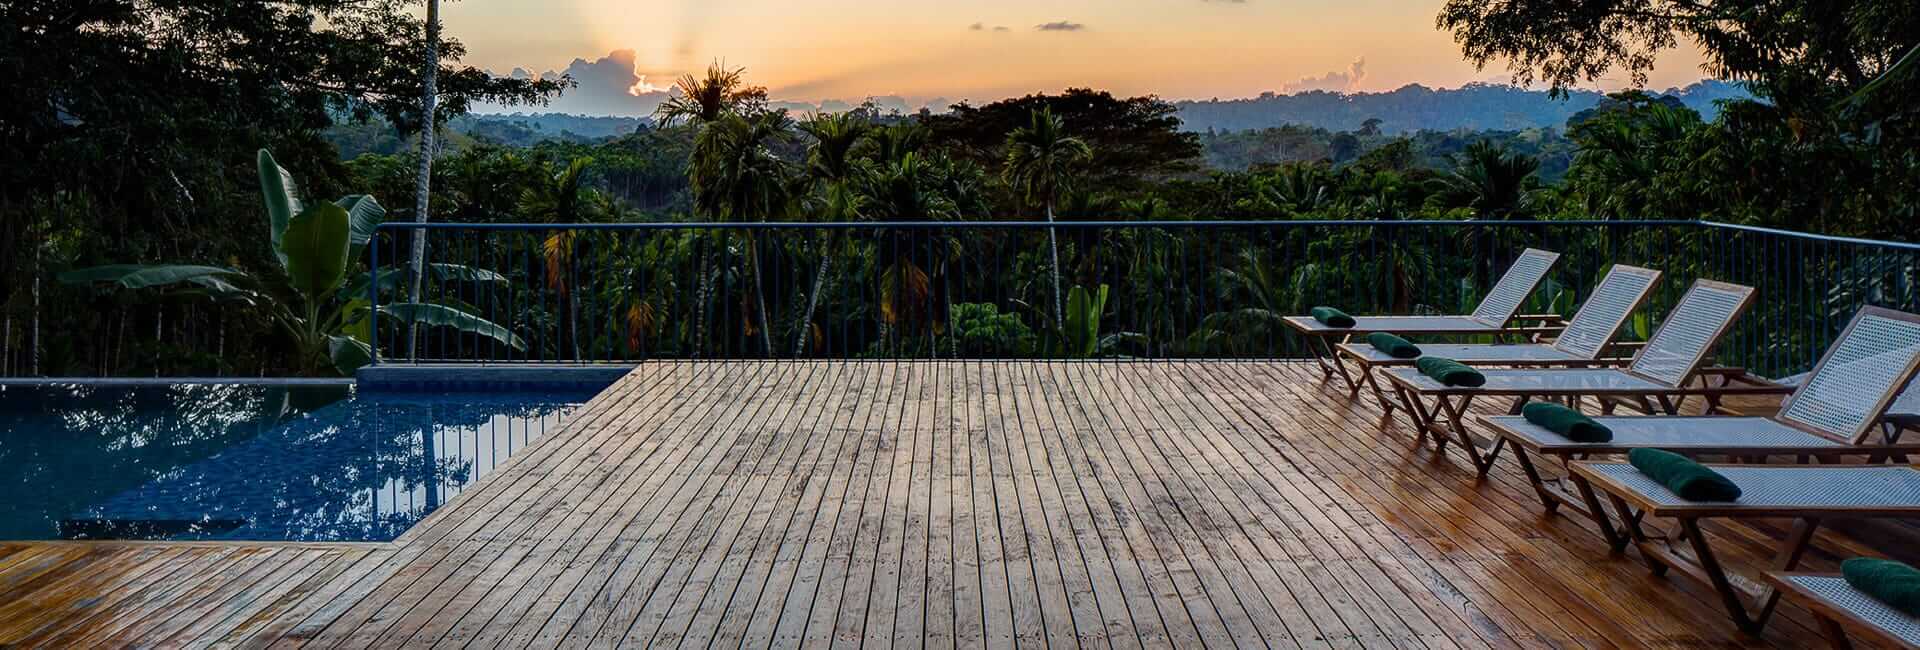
1666	371
1841	608
1580	344
1808	495
1493	315
1835	412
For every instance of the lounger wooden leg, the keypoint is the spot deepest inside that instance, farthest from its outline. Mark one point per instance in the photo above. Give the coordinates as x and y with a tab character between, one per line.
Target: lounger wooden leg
1455	428
1791	551
1836	635
1484	463
1730	596
1415	414
1386	405
1630	522
1340	364
1599	515
1540	489
1315	345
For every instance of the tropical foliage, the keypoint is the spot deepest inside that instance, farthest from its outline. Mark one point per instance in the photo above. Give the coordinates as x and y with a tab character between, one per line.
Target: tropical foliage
325	318
1827	143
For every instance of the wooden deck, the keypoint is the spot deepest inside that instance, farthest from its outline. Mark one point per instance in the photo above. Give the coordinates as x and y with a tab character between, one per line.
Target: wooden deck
933	504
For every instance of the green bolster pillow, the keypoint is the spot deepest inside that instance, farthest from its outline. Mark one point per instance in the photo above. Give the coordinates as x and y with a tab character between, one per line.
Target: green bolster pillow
1398	347
1691	480
1576	426
1450	372
1887	581
1332	317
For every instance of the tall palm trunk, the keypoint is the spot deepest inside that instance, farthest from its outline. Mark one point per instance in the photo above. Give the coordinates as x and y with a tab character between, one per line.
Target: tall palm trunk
760	295
1053	246
813	299
33	351
702	298
423	179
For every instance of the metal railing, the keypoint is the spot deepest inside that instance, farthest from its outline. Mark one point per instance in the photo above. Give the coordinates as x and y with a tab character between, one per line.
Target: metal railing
600	293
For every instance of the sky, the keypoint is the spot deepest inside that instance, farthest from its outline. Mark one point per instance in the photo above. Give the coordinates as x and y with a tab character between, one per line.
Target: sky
939	51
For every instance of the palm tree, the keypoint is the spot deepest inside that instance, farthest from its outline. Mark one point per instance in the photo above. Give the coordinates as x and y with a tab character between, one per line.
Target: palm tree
561	198
703	100
1040	161
735	176
423	179
903	191
1490	182
891	144
1493	185
832	168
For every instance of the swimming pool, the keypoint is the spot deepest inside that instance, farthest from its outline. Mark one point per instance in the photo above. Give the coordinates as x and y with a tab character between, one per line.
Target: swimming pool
251	461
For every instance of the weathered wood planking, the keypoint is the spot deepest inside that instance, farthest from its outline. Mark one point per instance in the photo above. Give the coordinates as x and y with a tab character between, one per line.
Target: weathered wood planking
929	504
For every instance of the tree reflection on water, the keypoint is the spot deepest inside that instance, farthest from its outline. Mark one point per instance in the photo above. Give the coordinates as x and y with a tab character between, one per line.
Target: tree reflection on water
251	462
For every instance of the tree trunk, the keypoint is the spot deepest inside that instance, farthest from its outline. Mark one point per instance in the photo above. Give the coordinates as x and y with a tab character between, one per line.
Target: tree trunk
760	295
700	300
1053	246
33	349
813	300
423	180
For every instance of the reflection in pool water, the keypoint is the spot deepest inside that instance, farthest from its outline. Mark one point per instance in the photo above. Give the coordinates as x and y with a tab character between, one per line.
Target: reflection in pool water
250	462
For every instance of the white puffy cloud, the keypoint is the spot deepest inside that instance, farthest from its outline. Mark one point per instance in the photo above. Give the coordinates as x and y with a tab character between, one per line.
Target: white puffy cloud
609	85
1342	81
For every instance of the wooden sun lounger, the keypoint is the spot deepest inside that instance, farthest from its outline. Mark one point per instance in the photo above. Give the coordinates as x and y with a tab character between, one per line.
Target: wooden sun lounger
1836	412
1840	608
1494	316
1665	373
1808	495
1580	344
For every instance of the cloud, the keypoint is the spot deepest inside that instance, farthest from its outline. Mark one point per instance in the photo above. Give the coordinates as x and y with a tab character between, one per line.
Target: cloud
976	27
1337	81
609	85
981	27
1060	26
1001	28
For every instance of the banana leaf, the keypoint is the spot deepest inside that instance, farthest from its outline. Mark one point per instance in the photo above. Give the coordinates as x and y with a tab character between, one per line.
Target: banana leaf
316	244
348	354
141	276
440	315
282	198
445	272
363	215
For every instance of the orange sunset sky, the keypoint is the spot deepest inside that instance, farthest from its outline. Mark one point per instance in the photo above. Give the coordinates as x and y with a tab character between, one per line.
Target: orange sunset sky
987	49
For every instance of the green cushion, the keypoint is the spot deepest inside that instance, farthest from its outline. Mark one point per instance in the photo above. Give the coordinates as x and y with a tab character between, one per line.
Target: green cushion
1332	317
1450	372
1887	581
1691	480
1398	347
1576	426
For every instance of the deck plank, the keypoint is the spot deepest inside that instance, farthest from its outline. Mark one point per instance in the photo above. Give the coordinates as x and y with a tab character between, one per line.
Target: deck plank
939	504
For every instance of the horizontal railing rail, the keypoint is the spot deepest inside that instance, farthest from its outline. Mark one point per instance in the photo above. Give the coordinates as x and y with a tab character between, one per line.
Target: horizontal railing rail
623	292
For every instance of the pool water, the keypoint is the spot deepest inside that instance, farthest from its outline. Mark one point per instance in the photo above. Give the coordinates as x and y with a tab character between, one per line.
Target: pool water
251	462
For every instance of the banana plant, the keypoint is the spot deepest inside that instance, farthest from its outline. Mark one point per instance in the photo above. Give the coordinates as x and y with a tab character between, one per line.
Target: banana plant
326	317
1079	336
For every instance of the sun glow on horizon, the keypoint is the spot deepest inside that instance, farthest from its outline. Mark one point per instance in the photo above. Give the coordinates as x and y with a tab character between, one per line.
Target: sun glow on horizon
848	50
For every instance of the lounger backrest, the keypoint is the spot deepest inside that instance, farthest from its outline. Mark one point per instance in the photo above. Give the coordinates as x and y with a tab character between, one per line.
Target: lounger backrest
1682	343
1514	287
1601	316
1873	360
